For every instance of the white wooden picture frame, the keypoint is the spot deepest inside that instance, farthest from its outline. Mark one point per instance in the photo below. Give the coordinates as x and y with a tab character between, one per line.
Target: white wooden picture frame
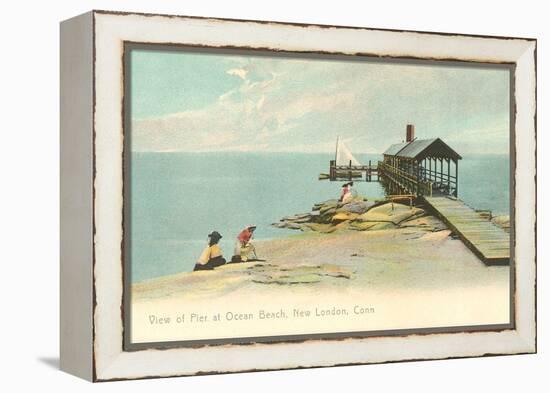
92	203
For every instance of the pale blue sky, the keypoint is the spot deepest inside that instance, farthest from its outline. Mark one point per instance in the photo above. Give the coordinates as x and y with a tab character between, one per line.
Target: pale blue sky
184	101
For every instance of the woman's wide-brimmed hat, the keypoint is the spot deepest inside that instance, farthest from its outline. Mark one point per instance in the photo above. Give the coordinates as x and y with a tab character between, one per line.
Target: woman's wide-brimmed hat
251	226
215	235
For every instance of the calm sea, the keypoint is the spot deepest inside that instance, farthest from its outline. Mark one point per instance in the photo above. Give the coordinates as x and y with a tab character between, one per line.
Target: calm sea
178	198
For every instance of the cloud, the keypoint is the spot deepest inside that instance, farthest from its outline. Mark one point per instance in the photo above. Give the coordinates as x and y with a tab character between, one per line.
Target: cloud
484	138
302	105
240	72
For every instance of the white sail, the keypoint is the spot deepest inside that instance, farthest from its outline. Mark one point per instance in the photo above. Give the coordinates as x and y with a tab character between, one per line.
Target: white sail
344	156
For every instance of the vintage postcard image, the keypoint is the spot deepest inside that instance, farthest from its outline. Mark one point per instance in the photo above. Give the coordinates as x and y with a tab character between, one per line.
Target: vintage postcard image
276	196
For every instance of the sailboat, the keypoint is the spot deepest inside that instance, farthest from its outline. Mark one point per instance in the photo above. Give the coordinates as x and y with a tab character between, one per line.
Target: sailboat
343	158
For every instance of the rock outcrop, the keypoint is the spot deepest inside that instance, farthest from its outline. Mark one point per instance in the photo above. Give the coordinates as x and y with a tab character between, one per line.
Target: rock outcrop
300	274
359	214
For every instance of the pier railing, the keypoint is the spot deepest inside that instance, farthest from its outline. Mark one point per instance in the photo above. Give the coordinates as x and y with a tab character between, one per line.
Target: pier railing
443	182
352	172
404	180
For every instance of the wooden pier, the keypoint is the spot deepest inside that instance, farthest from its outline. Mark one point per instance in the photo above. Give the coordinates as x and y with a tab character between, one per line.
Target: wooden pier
400	181
427	170
352	172
345	167
485	239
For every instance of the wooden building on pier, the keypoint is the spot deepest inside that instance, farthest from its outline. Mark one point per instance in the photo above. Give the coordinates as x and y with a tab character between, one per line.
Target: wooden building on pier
427	167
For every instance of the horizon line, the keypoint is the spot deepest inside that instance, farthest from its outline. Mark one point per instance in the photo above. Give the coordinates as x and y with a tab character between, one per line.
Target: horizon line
282	151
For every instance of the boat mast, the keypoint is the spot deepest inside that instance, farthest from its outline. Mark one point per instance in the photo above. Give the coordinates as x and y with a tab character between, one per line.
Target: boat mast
336	152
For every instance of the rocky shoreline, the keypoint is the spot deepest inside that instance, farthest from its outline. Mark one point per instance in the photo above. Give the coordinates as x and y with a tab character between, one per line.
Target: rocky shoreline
359	214
364	214
360	229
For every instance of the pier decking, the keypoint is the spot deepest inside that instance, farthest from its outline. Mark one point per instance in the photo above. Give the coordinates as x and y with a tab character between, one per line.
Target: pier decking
487	240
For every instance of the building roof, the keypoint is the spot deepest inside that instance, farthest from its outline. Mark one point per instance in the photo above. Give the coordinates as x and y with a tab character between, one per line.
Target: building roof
422	148
415	147
395	148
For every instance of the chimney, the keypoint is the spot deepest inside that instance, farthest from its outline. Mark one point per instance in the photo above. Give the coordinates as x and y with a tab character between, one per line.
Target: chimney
410	132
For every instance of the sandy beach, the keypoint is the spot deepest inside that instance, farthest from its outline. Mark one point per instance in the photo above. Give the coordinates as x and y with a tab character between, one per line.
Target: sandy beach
413	275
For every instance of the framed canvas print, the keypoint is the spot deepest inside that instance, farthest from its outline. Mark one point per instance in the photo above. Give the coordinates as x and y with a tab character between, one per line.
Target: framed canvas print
246	195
